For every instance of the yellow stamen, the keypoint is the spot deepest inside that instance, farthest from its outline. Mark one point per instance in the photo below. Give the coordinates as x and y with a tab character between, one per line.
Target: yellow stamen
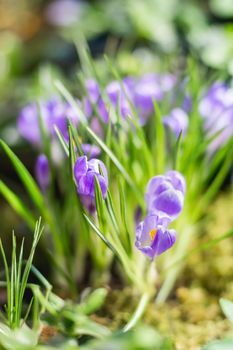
152	234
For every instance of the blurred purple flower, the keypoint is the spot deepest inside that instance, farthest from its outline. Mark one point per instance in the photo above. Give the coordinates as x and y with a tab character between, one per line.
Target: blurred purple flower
53	113
216	108
91	151
165	194
93	103
215	101
147	89
64	12
93	90
85	173
177	121
138	91
118	98
152	236
42	171
28	124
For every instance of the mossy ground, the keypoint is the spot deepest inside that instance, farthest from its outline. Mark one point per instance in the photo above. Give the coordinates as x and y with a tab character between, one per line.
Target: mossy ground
192	317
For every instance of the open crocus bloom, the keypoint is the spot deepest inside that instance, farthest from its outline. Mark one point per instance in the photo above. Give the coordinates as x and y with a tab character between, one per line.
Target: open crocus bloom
152	236
165	194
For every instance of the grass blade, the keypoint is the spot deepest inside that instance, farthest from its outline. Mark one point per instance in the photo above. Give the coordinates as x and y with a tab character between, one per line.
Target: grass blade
17	204
25	177
101	236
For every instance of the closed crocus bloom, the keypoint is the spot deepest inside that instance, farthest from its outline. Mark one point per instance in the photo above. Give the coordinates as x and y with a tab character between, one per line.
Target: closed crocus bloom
85	173
177	121
42	171
165	194
152	236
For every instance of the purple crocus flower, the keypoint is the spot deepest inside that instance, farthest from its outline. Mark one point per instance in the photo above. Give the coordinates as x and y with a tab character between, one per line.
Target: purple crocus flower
42	171
152	236
177	121
85	173
165	194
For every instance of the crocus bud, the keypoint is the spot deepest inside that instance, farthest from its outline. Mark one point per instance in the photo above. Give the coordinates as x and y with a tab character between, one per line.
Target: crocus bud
42	171
85	172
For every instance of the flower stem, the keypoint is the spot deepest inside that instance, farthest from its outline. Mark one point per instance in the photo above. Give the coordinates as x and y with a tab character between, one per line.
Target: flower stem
138	312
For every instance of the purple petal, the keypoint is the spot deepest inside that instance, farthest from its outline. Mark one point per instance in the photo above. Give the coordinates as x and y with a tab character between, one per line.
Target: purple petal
103	185
94	165
80	168
177	180
89	203
163	238
163	241
86	184
169	202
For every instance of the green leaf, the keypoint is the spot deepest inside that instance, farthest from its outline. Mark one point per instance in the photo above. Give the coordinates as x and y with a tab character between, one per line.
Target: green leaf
123	217
160	139
94	301
176	152
72	157
87	327
111	211
227	308
62	141
226	344
99	202
76	138
101	236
